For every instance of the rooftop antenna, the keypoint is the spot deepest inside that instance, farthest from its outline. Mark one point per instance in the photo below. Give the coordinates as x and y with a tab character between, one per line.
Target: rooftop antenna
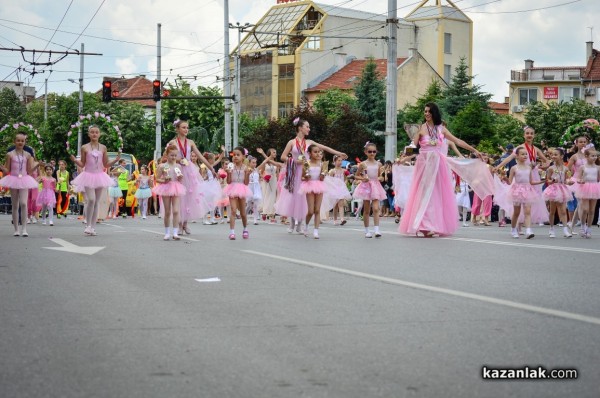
591	28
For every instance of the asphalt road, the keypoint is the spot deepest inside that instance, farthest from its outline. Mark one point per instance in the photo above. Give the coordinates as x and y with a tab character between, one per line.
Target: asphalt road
282	315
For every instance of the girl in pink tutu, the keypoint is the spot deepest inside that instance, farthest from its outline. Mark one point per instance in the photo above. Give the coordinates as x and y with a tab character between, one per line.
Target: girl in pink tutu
169	177
93	180
575	163
19	163
587	190
522	192
237	191
370	190
192	204
337	193
291	202
313	187
46	198
557	193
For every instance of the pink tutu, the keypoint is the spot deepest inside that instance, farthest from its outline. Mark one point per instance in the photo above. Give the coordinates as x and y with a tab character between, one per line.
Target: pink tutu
557	193
16	182
193	204
171	188
238	190
523	194
589	190
46	198
312	186
92	180
369	190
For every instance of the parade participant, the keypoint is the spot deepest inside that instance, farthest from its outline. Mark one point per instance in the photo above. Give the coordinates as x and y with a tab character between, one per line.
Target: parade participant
481	206
46	198
522	192
114	194
587	190
370	190
123	183
431	205
462	198
169	177
211	188
313	187
557	194
144	192
62	189
576	161
237	191
336	193
256	199
291	202
269	184
193	207
93	180
18	165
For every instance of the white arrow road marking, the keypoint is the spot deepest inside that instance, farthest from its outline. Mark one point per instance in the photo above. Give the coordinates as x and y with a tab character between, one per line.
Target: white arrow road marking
214	279
72	248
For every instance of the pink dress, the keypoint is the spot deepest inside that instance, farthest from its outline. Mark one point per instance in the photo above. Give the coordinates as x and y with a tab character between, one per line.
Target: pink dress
431	203
521	191
47	197
93	175
172	187
590	189
291	202
314	184
558	191
18	177
372	189
236	188
193	205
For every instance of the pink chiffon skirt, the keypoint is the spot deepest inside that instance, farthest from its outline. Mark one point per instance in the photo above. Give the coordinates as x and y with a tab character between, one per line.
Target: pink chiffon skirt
46	198
171	188
523	194
92	180
238	190
312	186
292	204
589	190
369	190
16	182
557	193
193	204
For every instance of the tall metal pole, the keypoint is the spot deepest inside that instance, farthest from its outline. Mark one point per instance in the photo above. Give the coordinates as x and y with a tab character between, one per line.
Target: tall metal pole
391	132
236	103
227	80
79	134
157	144
45	100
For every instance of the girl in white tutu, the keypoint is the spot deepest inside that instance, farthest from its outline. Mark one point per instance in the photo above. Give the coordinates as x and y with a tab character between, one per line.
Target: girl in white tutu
522	192
169	177
255	202
46	198
93	180
237	191
18	165
587	190
114	193
144	184
337	192
370	189
313	187
557	194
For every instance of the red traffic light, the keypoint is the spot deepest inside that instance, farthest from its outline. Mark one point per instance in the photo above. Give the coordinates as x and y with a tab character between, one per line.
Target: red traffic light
156	90
107	83
166	93
106	90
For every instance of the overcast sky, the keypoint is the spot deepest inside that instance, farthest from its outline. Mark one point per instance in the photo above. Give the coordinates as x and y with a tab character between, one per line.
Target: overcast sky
506	32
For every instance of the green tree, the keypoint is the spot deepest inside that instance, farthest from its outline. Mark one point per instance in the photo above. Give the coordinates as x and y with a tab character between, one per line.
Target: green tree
473	123
413	113
11	111
507	130
370	97
331	102
461	91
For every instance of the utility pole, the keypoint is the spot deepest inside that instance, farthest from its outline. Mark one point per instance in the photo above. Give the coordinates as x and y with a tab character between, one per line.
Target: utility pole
391	131
79	133
46	100
237	108
227	79
157	144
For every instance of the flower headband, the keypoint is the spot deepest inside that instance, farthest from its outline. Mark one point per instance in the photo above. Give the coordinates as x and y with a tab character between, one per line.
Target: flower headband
176	122
296	121
367	144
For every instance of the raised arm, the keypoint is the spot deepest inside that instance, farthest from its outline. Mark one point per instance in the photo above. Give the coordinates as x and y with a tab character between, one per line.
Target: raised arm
327	149
460	142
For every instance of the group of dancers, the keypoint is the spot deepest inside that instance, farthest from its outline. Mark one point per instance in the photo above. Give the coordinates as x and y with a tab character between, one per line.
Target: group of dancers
190	188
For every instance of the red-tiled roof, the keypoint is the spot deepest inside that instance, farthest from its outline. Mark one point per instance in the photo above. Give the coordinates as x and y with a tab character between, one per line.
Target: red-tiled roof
592	69
500	108
348	76
135	87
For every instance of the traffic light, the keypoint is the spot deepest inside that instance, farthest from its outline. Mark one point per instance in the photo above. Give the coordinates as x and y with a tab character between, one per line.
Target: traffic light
156	90
106	91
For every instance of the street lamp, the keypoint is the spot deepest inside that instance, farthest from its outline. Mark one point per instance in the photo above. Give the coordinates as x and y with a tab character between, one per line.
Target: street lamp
237	105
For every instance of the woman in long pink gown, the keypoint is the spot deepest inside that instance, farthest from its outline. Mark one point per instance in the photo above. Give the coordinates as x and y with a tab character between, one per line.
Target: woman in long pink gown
431	205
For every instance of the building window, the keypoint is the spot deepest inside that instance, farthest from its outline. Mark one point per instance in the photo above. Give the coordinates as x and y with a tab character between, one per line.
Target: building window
447	73
568	94
448	43
313	43
527	95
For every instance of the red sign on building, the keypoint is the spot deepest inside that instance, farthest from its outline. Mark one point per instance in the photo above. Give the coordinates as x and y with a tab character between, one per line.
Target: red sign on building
550	92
